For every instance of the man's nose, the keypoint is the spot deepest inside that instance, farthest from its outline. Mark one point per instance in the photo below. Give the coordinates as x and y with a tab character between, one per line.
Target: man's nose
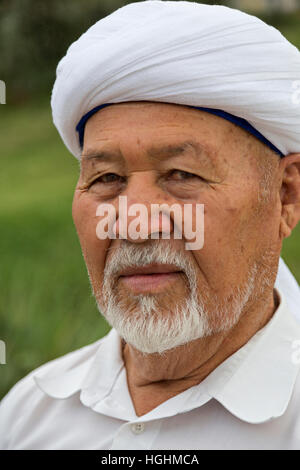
138	217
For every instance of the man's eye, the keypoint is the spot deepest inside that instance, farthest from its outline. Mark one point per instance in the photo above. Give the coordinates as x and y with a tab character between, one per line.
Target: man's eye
181	175
109	178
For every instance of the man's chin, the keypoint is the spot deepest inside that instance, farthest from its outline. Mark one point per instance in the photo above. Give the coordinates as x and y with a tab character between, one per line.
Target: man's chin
155	331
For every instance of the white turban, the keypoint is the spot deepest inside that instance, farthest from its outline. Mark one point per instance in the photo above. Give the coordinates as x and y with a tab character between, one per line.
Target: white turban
185	53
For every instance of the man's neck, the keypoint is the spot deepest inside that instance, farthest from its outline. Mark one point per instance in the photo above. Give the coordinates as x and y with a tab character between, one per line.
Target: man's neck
155	378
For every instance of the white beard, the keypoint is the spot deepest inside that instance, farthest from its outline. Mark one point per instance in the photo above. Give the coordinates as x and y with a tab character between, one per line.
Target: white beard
150	328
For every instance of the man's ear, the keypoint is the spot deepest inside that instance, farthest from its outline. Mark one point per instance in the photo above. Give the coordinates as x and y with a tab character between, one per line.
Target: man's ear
290	193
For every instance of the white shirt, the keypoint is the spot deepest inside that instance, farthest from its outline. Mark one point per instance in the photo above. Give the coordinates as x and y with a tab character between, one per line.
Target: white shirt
81	400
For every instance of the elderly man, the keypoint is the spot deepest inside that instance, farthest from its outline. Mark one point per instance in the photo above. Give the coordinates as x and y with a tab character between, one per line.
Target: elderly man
190	105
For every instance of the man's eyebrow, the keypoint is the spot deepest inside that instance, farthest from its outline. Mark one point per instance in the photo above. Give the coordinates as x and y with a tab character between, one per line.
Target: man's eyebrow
169	150
156	152
103	155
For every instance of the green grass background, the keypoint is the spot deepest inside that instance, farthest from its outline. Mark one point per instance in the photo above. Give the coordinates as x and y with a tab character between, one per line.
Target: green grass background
46	305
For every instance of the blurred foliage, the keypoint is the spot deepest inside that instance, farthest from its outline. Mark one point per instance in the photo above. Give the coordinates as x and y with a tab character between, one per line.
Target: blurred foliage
288	24
46	305
35	34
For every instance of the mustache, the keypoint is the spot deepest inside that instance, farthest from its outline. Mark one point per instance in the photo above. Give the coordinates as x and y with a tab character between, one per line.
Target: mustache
130	255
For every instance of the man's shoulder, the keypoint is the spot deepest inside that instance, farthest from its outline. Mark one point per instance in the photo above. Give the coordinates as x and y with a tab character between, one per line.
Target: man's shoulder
53	368
26	393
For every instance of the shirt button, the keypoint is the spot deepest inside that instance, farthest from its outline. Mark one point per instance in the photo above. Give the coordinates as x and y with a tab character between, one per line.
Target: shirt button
137	428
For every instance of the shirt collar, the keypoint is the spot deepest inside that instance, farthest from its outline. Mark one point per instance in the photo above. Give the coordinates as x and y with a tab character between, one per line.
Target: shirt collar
254	384
95	375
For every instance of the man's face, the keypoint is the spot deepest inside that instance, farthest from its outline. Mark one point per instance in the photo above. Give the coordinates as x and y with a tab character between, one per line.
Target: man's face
156	293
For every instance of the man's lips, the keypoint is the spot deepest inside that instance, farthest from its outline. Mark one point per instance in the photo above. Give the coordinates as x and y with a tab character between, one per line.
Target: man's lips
150	269
153	277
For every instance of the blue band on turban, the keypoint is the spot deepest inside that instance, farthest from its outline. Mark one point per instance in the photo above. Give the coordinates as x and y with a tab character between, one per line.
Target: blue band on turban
218	112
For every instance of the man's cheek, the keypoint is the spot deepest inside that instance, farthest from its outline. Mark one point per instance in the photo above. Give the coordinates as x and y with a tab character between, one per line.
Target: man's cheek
85	221
93	248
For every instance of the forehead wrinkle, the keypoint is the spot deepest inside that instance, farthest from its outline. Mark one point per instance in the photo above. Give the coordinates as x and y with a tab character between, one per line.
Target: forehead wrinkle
200	153
156	153
94	156
172	150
